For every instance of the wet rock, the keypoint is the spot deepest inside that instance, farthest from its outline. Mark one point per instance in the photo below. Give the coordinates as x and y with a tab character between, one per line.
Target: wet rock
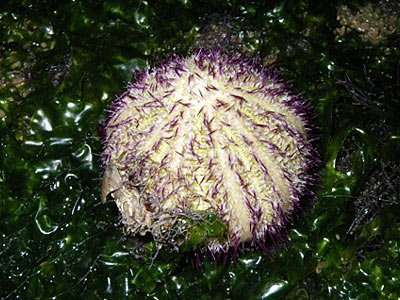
374	22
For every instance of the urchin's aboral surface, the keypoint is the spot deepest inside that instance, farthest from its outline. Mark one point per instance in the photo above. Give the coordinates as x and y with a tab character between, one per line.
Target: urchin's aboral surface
211	133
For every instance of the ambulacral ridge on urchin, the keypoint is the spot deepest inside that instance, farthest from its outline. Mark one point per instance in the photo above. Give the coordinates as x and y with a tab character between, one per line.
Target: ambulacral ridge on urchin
208	134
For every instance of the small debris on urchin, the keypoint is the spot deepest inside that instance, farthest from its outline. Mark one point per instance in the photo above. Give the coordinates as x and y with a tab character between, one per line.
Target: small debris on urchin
209	134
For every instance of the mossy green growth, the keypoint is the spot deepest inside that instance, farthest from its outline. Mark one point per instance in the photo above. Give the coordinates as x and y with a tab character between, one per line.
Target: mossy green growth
211	227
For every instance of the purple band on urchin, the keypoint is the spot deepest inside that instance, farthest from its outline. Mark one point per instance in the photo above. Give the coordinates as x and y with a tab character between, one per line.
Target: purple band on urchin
210	133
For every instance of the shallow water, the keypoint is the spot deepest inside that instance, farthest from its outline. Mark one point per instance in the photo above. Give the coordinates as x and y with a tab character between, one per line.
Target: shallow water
62	64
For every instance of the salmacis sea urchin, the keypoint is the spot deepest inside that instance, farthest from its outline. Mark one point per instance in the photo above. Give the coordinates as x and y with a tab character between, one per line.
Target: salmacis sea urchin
211	133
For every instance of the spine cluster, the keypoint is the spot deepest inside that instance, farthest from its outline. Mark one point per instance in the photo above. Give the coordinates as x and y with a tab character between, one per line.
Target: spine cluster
210	133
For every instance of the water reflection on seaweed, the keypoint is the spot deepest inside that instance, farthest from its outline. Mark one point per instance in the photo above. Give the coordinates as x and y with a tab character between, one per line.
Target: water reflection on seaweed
60	66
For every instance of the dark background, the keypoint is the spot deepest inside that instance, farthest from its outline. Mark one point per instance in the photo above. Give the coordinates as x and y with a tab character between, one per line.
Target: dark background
62	63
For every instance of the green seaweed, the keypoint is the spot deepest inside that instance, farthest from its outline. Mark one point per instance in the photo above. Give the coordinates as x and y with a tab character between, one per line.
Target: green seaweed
62	63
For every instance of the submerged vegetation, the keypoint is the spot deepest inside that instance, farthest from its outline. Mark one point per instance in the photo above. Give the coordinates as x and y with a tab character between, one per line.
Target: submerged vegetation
61	64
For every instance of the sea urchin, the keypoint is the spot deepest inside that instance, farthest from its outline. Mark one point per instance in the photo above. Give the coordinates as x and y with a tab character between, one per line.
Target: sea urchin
208	134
